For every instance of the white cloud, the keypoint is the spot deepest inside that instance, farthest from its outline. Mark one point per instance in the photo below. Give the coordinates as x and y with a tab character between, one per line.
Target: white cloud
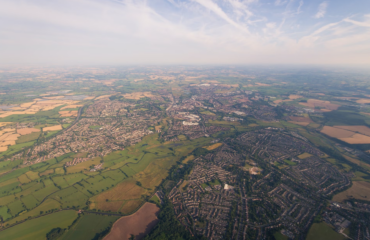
322	10
299	7
197	32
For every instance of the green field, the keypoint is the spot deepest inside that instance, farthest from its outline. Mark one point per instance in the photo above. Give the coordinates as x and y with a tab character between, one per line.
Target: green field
279	236
290	162
37	228
322	231
88	225
156	199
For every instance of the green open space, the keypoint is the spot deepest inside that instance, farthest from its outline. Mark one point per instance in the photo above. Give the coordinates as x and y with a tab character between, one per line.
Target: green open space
39	227
323	231
88	225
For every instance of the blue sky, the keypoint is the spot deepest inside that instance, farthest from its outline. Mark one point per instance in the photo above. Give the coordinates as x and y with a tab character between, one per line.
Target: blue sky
67	32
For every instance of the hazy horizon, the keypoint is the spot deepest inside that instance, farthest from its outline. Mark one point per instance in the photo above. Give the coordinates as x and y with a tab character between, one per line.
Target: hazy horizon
172	32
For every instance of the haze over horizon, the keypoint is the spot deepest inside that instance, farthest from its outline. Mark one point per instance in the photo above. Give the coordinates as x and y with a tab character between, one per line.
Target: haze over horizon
68	32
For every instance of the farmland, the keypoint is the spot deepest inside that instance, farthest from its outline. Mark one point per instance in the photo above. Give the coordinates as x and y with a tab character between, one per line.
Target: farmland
348	134
284	149
138	224
37	228
359	190
88	225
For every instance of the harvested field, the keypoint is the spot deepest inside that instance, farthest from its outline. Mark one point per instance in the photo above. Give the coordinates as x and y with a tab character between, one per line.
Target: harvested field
25	131
359	190
304	155
300	123
36	106
301	119
358	129
2	124
349	136
71	106
293	97
189	158
131	206
312	103
214	146
109	206
281	100
68	113
123	191
262	84
104	96
337	132
138	95
8	137
363	101
3	149
53	128
357	139
139	224
7	143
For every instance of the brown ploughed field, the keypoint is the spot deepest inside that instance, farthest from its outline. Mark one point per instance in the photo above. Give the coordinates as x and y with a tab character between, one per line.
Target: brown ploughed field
139	224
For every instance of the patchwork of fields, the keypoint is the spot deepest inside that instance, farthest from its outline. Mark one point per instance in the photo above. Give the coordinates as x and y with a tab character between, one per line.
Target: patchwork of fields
129	177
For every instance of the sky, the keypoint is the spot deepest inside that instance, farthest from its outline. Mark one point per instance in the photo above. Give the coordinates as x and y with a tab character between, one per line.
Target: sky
127	32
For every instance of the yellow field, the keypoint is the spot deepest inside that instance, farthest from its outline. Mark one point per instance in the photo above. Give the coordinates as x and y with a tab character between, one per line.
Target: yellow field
359	190
8	137
293	97
336	132
304	156
123	191
83	166
130	206
68	113
37	105
312	103
300	123
214	146
138	95
104	96
25	131
108	206
349	136
357	139
2	124
71	106
358	129
189	158
53	128
363	100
